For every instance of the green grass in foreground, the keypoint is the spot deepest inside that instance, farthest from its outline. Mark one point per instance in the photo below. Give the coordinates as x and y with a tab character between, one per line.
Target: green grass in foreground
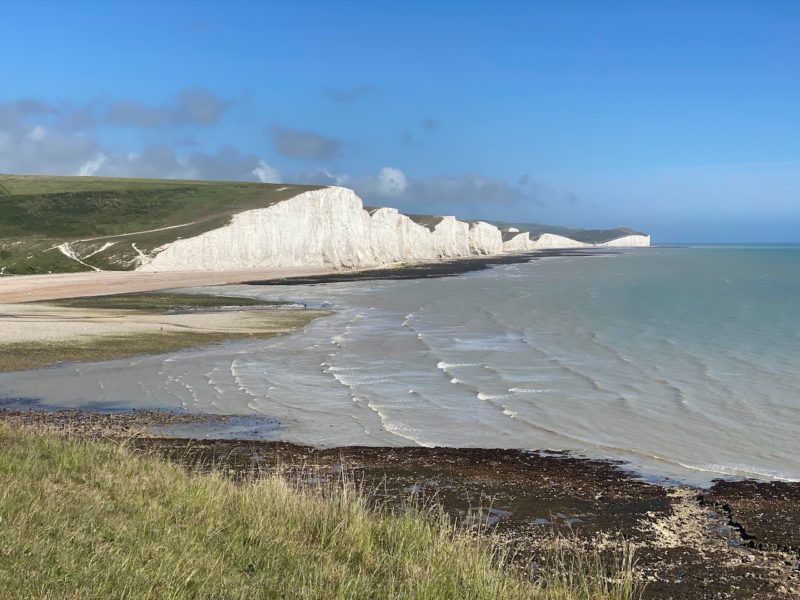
87	520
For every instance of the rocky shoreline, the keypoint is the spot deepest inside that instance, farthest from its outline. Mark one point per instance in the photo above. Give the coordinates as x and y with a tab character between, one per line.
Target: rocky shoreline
734	540
427	269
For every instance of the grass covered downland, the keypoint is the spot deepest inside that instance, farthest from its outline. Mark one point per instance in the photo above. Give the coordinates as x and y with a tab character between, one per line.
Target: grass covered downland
82	519
102	218
87	520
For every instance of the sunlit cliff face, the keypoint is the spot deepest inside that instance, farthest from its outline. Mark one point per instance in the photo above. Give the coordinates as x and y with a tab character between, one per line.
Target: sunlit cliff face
330	227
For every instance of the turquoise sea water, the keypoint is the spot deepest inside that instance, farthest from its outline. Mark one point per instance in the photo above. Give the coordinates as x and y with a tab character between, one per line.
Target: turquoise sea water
682	361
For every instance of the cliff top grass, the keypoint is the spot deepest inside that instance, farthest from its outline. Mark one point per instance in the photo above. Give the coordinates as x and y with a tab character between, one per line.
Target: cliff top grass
37	213
71	208
87	519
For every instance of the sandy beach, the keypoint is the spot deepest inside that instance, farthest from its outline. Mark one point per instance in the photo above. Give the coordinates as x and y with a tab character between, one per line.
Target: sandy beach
43	323
108	325
35	335
31	288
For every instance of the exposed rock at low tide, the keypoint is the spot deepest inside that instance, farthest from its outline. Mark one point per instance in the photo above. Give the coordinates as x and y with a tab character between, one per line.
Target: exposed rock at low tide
737	540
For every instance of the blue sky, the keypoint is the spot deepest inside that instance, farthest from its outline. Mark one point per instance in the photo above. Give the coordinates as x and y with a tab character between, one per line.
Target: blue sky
678	118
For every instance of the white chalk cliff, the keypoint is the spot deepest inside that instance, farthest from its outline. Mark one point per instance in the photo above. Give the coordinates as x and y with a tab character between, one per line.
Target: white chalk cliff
629	241
330	227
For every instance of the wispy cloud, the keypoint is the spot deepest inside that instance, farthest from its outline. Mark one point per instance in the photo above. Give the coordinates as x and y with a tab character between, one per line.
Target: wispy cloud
470	194
192	106
15	112
162	161
296	143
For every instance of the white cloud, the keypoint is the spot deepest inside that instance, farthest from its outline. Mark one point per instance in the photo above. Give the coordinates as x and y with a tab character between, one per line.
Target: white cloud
37	133
52	152
90	167
391	182
469	195
388	183
322	177
163	162
266	173
55	152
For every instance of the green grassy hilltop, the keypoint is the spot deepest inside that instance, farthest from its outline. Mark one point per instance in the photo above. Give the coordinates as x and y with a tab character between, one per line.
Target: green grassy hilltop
108	221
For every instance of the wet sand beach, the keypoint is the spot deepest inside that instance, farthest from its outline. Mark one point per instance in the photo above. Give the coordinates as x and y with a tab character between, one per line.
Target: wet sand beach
31	288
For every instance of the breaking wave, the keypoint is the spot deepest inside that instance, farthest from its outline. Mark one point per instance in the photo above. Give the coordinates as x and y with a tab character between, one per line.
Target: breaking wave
613	356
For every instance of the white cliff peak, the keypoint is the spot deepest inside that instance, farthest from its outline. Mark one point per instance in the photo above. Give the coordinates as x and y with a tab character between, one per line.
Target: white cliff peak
330	227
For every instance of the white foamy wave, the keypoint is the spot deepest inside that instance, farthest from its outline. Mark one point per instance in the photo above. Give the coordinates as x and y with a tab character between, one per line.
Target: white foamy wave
532	369
445	366
212	381
396	428
741	471
485	397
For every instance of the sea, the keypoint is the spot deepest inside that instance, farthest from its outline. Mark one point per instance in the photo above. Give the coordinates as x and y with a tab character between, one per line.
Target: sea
683	363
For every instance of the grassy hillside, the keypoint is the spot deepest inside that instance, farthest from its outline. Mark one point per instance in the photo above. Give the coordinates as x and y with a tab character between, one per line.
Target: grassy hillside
106	220
88	520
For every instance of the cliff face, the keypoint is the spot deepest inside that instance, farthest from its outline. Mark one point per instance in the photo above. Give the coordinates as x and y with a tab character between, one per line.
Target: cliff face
551	241
629	241
330	227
